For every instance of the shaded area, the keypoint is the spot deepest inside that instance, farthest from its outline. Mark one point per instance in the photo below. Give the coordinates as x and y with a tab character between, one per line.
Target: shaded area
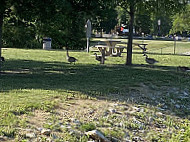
138	82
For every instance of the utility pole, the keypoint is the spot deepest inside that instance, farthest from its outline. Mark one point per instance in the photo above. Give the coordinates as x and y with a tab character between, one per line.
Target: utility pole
159	23
174	43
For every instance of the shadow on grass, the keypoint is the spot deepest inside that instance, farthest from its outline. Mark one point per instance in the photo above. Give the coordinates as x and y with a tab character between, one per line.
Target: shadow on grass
137	82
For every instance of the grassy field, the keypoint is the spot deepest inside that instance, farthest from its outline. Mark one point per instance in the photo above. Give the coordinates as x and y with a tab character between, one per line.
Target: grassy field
160	46
40	90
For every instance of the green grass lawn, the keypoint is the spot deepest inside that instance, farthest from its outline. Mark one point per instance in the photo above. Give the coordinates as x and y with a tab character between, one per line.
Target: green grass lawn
44	80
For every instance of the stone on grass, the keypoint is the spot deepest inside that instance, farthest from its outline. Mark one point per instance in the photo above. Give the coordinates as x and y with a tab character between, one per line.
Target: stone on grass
177	106
3	138
78	134
112	110
30	135
46	132
97	136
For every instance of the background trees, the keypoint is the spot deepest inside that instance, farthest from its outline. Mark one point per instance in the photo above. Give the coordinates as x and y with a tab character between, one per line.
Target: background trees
181	22
39	19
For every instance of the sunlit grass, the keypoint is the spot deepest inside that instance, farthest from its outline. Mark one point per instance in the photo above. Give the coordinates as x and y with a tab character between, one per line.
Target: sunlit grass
40	79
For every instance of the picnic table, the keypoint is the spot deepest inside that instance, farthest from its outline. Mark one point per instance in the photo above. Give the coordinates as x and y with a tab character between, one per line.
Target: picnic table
143	47
110	48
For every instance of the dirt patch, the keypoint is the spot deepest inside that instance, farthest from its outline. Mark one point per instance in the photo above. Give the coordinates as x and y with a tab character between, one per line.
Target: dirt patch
37	119
83	109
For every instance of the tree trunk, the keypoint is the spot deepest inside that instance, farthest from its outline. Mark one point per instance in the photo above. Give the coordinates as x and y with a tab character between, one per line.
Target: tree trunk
130	38
1	27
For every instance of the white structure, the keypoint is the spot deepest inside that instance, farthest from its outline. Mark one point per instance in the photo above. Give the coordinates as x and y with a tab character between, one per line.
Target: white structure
88	33
46	43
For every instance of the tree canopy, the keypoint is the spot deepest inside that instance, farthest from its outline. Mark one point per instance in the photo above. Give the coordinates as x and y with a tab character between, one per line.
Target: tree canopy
181	22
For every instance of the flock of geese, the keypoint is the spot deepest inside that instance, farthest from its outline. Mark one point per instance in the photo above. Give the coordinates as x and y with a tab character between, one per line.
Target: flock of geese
73	59
99	58
148	60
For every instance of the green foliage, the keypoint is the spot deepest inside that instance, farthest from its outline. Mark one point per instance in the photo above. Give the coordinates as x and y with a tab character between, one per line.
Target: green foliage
114	133
87	127
19	36
8	131
27	22
123	16
181	21
143	22
105	16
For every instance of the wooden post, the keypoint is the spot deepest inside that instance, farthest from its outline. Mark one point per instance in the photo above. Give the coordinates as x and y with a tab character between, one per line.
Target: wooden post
88	48
174	45
103	56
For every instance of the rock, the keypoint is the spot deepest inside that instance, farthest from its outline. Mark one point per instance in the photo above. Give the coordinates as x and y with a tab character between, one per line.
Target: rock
150	119
3	138
97	135
136	109
106	113
54	137
91	112
185	93
46	132
78	134
114	139
141	110
136	139
177	106
39	129
126	140
49	140
75	121
68	127
172	101
30	135
112	110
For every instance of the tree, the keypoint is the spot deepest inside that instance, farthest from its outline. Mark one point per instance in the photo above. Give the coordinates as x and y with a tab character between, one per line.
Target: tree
143	22
122	15
3	11
181	22
104	16
133	5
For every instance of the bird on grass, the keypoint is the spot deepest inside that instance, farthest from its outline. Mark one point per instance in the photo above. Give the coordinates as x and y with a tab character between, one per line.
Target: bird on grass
2	59
69	58
183	69
98	57
150	60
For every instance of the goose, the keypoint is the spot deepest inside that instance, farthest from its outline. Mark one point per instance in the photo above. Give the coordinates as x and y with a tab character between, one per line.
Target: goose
150	60
70	59
98	57
183	69
2	59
